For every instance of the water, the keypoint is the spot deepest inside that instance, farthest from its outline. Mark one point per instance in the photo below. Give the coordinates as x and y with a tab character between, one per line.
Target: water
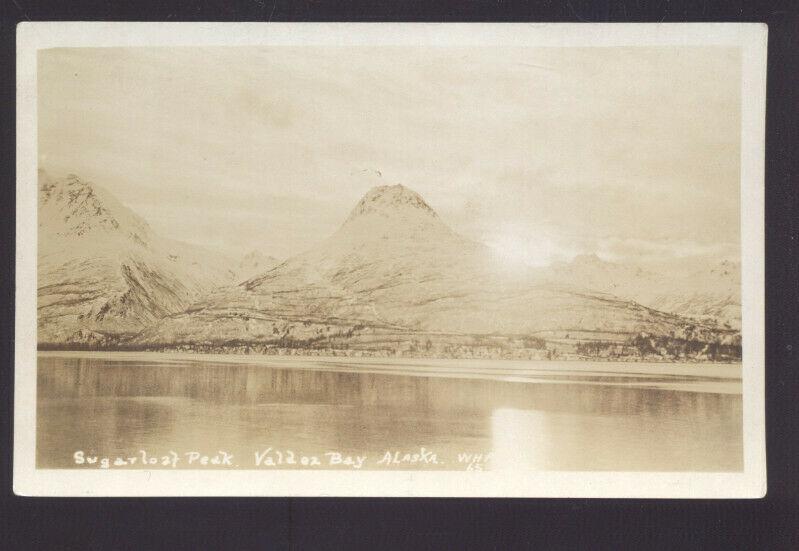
465	414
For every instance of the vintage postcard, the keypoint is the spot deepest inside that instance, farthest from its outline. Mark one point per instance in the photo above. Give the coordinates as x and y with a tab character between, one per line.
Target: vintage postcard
390	260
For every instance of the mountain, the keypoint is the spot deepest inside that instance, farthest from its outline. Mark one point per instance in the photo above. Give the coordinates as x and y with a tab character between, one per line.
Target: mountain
104	273
253	263
395	277
702	288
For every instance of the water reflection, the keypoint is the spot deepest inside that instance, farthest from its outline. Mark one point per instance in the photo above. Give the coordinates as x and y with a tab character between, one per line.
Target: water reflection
110	407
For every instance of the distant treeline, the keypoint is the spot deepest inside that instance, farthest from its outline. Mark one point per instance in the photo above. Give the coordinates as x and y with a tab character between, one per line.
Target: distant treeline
659	346
639	347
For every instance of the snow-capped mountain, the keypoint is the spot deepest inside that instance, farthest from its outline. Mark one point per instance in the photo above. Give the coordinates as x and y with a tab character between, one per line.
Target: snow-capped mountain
701	288
393	268
103	272
254	263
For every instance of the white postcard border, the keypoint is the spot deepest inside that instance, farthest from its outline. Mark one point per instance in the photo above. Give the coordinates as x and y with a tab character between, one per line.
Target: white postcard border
751	483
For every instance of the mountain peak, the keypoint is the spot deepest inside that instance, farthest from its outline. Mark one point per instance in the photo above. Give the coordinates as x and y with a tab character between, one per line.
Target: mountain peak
257	258
587	259
255	262
73	206
387	200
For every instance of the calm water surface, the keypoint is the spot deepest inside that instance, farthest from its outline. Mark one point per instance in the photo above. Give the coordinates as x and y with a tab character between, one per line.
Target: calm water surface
526	415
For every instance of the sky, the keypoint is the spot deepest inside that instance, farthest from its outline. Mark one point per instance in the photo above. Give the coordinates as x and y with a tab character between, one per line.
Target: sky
543	153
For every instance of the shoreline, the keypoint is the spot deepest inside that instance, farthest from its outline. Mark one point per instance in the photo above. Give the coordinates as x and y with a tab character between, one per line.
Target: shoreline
465	355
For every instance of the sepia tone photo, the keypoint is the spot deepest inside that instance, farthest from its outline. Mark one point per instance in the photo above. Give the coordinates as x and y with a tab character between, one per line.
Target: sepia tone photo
391	257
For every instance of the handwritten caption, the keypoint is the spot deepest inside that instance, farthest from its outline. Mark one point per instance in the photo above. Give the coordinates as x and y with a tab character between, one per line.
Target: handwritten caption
277	458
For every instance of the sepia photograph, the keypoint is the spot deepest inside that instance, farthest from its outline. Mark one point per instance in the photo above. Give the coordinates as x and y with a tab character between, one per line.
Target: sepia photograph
409	263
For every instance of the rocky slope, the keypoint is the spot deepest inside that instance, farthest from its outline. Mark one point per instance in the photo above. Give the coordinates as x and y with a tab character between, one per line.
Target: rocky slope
103	273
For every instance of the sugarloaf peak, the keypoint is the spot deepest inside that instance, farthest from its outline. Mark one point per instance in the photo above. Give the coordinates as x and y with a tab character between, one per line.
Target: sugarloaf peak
390	201
392	214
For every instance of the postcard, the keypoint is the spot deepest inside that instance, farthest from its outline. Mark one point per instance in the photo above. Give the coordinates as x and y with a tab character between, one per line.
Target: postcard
485	260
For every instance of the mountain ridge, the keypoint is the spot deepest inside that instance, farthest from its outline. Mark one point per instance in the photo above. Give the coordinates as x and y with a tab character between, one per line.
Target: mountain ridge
393	279
702	289
393	273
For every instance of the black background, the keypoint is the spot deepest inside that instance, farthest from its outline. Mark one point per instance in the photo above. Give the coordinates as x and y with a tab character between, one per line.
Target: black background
770	523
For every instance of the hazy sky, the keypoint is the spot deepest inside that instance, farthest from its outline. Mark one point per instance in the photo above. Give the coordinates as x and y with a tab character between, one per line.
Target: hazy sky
545	152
